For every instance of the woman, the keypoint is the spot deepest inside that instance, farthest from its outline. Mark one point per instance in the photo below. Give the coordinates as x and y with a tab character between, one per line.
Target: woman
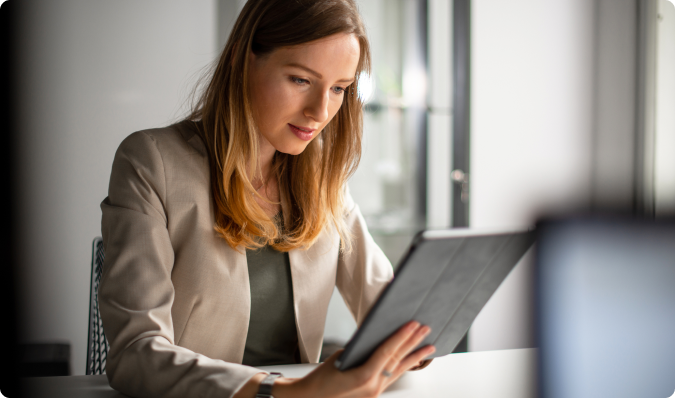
226	233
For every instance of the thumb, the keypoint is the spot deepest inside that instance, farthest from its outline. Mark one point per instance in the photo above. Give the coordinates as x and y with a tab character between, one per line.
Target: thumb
331	359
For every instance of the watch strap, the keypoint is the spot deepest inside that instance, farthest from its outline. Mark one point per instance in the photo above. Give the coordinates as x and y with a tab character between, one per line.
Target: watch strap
265	390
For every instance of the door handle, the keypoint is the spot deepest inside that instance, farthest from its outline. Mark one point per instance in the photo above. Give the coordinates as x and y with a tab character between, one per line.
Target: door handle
461	178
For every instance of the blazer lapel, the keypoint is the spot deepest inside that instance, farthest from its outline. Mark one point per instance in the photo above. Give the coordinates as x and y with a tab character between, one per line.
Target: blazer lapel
313	271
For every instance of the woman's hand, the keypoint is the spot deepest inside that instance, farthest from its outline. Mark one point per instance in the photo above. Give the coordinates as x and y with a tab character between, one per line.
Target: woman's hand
423	364
385	366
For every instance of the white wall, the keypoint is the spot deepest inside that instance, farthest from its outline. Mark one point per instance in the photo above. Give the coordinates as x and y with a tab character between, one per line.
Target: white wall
439	134
227	11
531	139
554	112
664	168
91	73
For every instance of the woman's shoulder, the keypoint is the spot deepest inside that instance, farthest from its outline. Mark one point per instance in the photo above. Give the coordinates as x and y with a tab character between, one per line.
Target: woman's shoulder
177	139
348	202
156	165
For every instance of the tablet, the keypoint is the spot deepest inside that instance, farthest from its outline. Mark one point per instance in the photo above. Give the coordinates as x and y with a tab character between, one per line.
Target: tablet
443	281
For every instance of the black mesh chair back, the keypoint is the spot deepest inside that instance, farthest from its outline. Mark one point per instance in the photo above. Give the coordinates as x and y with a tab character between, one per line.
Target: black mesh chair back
97	345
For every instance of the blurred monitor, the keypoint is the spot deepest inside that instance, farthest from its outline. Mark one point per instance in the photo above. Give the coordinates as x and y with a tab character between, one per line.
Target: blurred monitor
606	308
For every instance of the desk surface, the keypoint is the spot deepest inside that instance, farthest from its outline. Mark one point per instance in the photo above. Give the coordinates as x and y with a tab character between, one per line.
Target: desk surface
489	374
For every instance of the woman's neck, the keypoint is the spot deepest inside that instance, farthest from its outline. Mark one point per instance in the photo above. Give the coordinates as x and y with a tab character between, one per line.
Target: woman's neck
267	187
266	156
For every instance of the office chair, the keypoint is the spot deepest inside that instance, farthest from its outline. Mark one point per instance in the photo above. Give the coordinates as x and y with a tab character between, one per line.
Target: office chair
97	344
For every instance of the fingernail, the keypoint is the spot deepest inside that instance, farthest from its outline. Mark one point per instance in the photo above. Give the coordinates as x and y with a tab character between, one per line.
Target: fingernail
413	325
431	350
425	330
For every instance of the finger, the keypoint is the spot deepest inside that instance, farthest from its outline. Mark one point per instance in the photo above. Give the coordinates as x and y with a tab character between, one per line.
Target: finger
390	347
408	363
422	364
405	349
393	369
417	365
328	364
409	345
334	357
415	358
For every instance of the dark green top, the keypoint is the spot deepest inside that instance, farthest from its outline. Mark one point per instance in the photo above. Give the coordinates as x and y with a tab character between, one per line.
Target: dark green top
272	337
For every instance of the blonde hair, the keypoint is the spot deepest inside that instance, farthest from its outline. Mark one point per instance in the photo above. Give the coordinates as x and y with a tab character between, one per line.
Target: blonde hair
311	183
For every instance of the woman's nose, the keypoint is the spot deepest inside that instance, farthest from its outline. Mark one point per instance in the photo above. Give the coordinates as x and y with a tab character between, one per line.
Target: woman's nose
317	107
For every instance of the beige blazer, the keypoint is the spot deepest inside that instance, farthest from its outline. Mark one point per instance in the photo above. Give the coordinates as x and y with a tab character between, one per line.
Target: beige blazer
175	298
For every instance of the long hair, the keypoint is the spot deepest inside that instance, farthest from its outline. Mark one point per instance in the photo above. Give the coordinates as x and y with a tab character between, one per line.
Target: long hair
311	183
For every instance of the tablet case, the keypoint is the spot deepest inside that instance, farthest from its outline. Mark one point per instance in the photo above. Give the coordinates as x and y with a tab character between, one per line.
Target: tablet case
443	281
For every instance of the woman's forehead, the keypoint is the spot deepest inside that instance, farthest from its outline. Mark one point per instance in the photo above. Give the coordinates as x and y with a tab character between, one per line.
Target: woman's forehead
330	57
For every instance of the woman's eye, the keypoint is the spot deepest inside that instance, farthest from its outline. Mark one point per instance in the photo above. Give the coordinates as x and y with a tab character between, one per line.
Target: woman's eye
338	90
298	80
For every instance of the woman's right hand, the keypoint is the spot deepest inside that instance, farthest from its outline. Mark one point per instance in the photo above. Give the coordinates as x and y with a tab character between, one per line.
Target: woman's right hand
393	358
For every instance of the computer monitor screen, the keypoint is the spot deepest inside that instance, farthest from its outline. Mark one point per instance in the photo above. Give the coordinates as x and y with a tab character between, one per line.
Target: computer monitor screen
606	308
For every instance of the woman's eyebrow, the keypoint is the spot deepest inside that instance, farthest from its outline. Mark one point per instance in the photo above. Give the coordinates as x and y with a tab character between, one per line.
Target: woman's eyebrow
315	73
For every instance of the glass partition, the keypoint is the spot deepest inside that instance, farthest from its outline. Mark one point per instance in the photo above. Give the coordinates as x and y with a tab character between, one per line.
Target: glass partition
392	181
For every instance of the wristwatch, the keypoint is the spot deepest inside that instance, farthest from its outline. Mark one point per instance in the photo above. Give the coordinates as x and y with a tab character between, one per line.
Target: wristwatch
265	390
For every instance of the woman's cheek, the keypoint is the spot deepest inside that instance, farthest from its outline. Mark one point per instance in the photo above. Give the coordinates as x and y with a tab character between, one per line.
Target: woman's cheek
335	107
280	98
292	104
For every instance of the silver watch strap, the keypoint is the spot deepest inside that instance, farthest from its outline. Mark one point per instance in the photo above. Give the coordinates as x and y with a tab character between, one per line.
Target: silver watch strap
265	390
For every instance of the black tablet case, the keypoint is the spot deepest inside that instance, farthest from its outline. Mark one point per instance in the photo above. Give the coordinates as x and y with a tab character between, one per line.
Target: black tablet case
443	281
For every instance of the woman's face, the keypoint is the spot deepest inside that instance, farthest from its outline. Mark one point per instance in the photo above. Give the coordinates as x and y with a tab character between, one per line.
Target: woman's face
295	91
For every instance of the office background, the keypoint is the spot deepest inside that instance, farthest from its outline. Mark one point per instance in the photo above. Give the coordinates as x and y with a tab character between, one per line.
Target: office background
556	106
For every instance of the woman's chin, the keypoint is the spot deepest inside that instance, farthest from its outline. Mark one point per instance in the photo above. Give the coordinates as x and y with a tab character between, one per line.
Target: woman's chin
292	149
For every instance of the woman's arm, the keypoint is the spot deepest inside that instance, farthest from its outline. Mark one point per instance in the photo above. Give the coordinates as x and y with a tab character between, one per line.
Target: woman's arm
136	293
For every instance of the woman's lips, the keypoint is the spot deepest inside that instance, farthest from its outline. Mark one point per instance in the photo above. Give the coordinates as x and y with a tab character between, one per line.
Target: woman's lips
303	133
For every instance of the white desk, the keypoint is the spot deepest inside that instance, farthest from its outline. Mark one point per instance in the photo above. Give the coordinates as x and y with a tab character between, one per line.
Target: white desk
490	374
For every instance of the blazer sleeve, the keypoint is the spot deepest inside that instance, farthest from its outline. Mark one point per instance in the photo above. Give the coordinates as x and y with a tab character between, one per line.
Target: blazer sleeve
364	270
136	292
